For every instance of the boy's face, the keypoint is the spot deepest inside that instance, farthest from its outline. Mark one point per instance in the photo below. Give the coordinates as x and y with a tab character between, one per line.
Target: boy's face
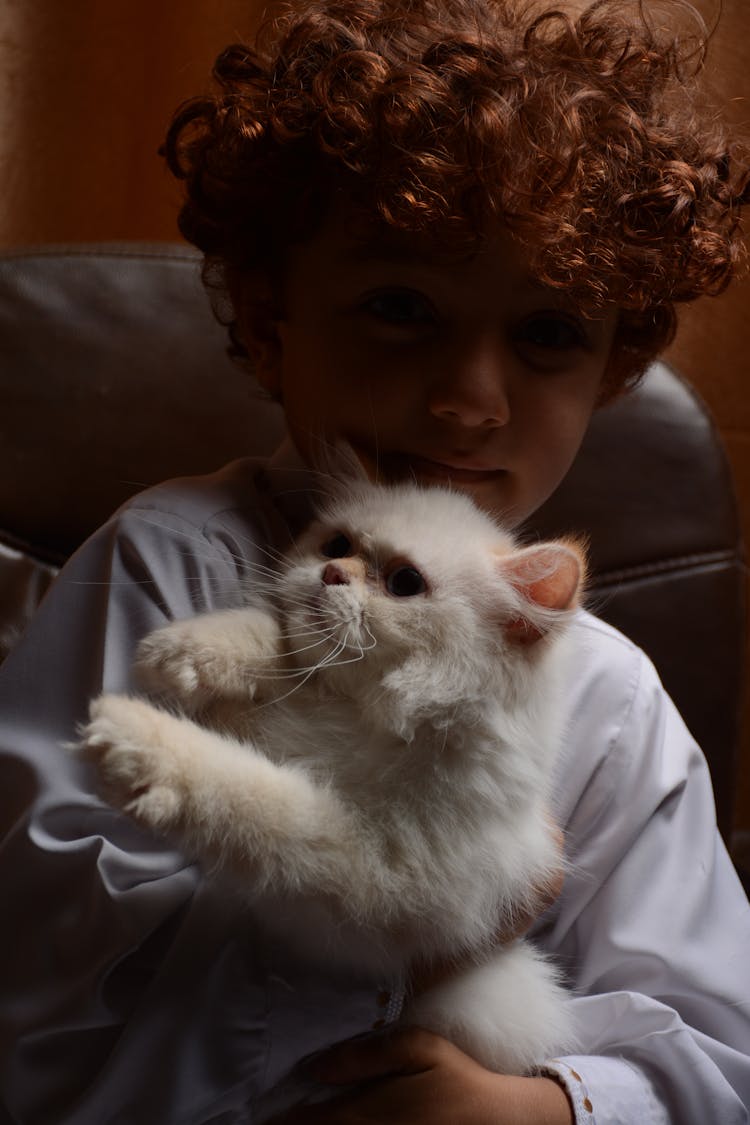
468	372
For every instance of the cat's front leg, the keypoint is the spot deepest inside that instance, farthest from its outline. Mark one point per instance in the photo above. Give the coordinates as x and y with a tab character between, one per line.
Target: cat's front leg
270	824
144	758
231	655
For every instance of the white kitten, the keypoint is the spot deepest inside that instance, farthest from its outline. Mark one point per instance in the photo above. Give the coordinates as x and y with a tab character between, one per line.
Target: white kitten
390	718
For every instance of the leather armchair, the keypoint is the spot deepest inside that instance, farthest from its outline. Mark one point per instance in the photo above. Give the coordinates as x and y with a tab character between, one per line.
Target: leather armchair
114	375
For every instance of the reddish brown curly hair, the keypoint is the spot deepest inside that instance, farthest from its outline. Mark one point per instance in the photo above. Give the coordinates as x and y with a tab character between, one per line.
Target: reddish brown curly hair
583	135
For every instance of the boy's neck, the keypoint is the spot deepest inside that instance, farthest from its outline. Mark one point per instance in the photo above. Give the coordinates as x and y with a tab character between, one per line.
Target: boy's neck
292	485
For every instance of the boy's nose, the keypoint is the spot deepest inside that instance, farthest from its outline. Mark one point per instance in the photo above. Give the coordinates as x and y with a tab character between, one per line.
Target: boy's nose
472	394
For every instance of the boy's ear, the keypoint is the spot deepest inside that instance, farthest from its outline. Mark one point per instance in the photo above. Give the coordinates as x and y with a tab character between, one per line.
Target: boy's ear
265	355
257	321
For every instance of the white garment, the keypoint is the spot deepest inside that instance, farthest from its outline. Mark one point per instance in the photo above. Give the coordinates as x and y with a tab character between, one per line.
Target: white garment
132	992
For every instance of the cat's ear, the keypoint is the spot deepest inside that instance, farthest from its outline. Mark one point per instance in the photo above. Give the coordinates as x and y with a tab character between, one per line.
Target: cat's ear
337	460
549	578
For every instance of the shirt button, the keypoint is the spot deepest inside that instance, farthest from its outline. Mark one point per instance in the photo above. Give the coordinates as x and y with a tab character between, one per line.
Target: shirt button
384	999
378	1024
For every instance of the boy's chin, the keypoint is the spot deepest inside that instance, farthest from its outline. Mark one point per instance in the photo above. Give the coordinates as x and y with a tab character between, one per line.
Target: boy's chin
495	491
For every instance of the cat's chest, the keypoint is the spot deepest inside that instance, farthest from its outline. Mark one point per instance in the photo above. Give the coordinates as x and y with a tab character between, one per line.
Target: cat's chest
318	729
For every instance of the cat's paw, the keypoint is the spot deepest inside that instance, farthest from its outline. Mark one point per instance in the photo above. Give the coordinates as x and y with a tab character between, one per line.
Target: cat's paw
127	742
205	659
183	664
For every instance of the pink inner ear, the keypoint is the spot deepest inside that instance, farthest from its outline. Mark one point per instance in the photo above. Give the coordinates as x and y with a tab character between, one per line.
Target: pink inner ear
549	575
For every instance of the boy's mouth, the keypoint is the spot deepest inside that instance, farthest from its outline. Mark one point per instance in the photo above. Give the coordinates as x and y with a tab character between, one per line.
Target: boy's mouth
402	466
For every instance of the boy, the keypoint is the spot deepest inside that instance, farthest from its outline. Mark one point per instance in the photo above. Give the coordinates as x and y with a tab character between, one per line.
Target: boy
448	232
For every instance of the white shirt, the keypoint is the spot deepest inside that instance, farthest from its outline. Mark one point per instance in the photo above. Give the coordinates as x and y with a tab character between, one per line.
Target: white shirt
132	991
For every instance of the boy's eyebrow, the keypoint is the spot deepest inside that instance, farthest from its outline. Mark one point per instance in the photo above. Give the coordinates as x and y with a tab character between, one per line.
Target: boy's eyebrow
404	252
392	251
383	244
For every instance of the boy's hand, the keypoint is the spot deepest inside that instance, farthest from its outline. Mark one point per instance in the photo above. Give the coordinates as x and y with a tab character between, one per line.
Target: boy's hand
412	1077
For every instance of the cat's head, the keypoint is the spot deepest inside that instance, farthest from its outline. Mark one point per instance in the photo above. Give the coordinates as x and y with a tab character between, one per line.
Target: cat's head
415	597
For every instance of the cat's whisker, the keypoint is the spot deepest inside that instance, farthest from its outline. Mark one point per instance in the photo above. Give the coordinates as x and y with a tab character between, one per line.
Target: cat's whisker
293	673
351	660
339	648
304	471
306	648
290	674
273	574
370	634
272	553
266	578
302	628
303	600
331	660
374	435
311	632
335	461
244	562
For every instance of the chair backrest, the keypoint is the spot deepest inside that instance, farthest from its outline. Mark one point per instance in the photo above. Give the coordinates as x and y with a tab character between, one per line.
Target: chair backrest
114	375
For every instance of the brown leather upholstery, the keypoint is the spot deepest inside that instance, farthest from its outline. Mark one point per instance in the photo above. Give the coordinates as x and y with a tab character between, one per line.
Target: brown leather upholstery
113	375
651	487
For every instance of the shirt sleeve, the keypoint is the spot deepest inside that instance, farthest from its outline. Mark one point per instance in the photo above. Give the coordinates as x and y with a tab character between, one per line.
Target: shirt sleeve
653	925
92	905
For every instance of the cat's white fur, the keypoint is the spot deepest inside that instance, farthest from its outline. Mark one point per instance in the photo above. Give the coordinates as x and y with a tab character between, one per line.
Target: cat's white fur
381	781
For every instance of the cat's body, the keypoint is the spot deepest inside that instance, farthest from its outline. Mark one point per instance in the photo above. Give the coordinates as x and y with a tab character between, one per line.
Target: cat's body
390	718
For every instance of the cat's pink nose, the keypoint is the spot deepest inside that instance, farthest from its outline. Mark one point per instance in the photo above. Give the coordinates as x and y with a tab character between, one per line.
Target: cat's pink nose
334	575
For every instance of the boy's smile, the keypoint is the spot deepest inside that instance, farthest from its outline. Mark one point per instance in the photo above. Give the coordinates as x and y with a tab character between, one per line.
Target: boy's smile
465	371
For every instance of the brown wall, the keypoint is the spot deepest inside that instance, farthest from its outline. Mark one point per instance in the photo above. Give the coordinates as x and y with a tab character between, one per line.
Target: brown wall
713	344
86	90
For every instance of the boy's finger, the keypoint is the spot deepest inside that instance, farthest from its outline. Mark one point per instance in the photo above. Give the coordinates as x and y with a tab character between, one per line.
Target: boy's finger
406	1050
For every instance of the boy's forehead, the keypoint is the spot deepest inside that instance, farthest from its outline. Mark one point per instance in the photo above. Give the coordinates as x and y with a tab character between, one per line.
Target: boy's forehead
358	234
353	238
348	240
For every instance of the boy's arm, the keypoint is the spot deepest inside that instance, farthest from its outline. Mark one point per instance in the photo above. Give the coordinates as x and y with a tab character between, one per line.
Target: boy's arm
652	914
116	959
652	923
412	1077
93	906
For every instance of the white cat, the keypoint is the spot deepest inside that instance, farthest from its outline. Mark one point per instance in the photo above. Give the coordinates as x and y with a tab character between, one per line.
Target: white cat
390	716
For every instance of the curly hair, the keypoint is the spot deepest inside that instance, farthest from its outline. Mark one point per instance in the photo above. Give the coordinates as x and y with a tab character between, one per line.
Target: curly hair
583	136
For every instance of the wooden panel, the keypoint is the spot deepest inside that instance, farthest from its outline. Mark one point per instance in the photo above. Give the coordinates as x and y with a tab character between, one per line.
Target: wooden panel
713	345
88	90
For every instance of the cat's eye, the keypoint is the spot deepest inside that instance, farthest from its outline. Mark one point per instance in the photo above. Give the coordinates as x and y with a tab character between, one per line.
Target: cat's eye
405	582
337	547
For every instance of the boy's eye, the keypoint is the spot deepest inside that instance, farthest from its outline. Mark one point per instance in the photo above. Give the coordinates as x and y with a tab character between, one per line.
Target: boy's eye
405	582
400	307
337	547
552	331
